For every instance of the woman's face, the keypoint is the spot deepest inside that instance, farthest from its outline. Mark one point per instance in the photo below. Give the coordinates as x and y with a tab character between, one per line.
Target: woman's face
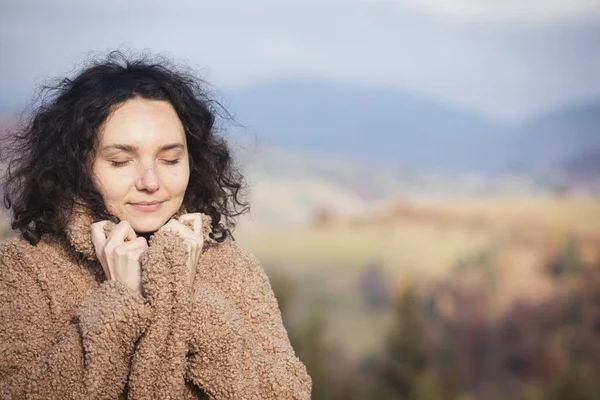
141	166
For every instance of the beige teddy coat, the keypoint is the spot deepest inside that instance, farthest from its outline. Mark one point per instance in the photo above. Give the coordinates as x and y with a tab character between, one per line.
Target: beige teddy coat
68	333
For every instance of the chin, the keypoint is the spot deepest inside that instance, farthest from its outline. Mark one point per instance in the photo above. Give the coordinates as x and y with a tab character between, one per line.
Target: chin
146	228
148	224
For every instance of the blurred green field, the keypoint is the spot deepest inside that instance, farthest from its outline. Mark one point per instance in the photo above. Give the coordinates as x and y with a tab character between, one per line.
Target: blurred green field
400	246
403	242
421	243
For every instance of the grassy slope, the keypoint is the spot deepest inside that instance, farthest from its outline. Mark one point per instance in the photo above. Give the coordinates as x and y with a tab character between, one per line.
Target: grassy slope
422	242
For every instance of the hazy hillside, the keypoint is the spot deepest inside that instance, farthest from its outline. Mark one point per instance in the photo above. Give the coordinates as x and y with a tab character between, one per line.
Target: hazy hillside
287	187
555	137
586	164
388	125
368	122
580	171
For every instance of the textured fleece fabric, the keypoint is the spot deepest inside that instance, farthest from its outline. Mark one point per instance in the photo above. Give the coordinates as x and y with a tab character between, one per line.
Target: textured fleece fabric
68	333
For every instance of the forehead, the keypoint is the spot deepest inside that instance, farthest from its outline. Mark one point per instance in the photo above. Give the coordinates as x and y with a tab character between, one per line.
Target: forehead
142	122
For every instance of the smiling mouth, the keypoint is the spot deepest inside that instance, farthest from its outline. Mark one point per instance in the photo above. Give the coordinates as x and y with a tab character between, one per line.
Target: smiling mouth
147	205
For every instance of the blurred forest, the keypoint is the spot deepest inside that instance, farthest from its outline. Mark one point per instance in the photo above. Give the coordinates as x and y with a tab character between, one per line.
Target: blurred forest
517	319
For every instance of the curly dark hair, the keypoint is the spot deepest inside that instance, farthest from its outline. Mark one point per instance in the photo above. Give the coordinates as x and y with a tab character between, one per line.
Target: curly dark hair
48	158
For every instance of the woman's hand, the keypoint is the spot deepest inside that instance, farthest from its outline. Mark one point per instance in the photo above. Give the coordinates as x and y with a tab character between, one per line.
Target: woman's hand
192	238
119	253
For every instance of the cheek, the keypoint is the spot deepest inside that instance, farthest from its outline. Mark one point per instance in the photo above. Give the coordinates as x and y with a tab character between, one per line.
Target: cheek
177	181
112	184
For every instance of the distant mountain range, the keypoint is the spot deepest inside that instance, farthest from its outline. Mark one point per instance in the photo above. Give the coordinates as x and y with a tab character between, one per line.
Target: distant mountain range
557	137
363	122
382	124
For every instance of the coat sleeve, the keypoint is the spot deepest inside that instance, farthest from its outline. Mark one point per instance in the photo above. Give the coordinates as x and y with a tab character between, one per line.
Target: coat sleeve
158	363
87	358
239	348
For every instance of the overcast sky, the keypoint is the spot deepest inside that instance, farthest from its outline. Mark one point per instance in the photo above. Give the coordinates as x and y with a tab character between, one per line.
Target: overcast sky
506	59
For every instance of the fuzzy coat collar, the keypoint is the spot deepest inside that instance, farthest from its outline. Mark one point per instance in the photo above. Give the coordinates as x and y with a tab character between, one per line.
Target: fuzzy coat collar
78	229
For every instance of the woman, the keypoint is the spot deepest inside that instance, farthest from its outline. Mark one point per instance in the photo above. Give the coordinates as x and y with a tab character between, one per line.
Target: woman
125	281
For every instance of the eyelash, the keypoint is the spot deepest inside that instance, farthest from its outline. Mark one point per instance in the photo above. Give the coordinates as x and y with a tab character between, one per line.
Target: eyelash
123	163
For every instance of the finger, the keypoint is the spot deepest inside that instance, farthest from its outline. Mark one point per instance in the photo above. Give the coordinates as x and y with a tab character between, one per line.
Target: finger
128	250
195	220
98	235
190	244
130	233
138	243
135	254
122	232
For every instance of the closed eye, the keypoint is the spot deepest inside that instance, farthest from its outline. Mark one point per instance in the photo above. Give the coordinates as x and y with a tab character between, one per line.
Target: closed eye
118	163
123	163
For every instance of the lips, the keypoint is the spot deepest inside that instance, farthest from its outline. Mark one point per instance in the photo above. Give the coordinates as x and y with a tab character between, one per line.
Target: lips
147	205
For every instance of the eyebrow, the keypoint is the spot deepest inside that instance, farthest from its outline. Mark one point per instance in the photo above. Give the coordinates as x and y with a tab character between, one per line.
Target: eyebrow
132	149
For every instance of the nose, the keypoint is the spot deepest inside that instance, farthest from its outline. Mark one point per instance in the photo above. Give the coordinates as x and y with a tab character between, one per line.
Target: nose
148	181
